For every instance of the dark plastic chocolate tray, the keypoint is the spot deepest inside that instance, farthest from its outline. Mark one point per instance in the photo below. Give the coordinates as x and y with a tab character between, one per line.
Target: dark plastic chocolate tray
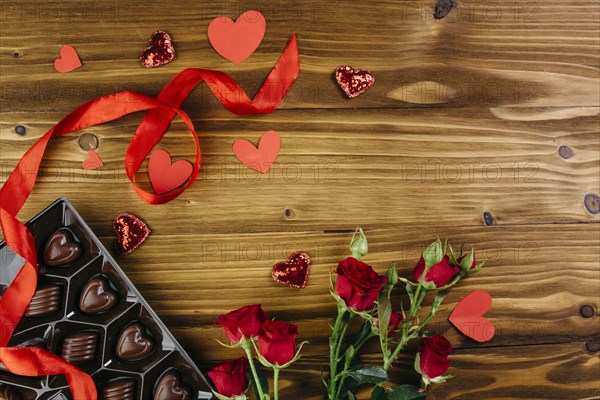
50	331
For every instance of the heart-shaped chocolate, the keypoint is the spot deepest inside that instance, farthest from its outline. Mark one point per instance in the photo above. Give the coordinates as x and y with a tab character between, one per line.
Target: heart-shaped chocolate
97	296
170	387
354	81
131	232
294	271
160	51
134	343
61	249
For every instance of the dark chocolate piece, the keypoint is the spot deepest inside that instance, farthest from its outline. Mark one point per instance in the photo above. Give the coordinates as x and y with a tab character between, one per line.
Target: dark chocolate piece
80	347
9	393
61	249
134	344
123	389
45	301
97	296
170	387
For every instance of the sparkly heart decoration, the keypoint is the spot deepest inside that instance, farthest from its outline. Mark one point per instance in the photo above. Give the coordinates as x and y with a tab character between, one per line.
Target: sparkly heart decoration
170	387
160	51
468	316
294	271
97	296
131	232
354	81
61	249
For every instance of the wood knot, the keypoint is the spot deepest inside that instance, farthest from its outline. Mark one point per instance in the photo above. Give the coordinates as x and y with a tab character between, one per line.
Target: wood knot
16	54
587	311
592	347
592	203
289	213
88	141
442	8
20	130
565	152
488	218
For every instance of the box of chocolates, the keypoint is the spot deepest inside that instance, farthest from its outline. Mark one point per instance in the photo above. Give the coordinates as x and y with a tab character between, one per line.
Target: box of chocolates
88	312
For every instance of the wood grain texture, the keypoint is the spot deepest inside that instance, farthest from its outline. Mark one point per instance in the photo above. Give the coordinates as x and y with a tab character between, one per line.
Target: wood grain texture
466	116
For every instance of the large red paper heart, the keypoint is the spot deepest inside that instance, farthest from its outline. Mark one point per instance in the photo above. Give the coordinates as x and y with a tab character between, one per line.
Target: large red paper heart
467	316
237	40
68	61
160	51
165	176
262	158
294	271
354	81
93	162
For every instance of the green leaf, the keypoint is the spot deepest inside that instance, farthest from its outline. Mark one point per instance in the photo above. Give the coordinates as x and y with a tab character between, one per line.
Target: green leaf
437	301
406	392
349	354
391	279
409	291
378	393
365	331
351	396
384	313
372	375
263	382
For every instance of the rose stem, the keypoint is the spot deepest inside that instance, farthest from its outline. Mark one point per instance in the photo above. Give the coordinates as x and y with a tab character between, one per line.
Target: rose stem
246	346
276	382
332	351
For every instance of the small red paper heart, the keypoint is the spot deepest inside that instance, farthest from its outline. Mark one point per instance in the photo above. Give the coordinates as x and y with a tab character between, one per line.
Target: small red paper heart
68	61
467	316
160	51
131	232
165	176
93	162
354	81
262	158
294	271
237	40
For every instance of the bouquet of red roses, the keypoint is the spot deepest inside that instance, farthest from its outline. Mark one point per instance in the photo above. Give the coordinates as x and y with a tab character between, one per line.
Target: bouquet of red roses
273	342
360	292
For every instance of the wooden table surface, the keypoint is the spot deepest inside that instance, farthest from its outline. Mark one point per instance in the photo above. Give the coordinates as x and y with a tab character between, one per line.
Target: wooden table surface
459	137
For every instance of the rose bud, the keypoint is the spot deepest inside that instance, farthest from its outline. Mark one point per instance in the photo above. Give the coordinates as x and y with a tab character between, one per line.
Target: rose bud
434	356
358	284
277	341
395	320
242	323
230	377
440	273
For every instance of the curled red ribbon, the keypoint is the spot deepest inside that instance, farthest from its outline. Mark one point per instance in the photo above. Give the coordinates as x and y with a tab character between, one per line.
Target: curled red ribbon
160	112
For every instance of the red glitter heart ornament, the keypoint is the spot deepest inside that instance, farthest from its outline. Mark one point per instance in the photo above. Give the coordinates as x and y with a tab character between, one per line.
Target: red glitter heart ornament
131	232
160	51
294	271
354	81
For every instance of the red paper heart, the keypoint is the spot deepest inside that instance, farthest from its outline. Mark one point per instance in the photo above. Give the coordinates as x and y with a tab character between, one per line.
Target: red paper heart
68	61
262	158
354	82
237	40
294	271
160	51
467	316
165	176
131	232
93	162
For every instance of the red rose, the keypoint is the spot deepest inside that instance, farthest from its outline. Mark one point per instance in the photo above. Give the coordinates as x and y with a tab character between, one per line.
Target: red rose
434	356
395	320
230	377
358	284
439	274
277	341
242	323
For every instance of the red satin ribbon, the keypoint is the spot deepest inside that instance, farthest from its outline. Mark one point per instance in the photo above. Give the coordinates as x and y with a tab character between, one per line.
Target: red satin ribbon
160	112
